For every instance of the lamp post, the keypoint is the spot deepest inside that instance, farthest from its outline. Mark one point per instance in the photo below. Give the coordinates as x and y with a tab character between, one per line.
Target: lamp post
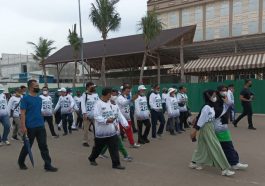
82	49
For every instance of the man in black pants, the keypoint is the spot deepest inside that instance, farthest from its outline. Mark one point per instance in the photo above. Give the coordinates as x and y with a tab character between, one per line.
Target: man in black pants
246	97
105	130
32	125
183	107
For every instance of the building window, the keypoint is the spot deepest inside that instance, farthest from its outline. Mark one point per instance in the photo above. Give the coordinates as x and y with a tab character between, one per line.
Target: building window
237	29
253	5
224	9
253	27
224	31
198	14
185	17
209	33
198	35
210	12
173	19
237	7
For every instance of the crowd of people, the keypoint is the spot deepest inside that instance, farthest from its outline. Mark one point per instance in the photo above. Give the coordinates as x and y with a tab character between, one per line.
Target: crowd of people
117	114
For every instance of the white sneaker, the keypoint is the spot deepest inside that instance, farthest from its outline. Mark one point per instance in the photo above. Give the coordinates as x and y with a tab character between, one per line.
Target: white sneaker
240	166
102	156
195	166
135	145
128	159
60	124
227	173
6	143
74	126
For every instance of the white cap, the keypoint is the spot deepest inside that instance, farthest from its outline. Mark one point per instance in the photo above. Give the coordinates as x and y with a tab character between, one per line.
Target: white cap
141	87
59	90
63	90
2	87
170	90
121	87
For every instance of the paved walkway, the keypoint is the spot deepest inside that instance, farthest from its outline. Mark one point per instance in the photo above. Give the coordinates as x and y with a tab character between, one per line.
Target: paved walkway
162	162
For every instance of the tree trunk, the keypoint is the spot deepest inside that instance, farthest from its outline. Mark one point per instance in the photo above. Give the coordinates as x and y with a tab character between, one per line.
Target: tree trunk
44	74
103	68
58	77
158	70
74	80
142	68
182	69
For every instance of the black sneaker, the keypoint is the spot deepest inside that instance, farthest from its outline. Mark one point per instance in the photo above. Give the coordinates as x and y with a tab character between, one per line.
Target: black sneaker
119	167
93	163
51	169
22	166
140	141
85	144
252	128
146	140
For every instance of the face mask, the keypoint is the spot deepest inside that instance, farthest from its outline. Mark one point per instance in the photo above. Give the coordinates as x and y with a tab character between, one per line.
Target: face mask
224	94
71	94
36	90
157	91
214	99
113	98
45	92
142	94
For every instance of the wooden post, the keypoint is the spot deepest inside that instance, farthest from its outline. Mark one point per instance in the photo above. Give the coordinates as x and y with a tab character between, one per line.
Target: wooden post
58	75
182	75
158	69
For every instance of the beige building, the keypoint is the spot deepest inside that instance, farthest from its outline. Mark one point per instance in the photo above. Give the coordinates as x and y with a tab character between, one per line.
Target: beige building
221	24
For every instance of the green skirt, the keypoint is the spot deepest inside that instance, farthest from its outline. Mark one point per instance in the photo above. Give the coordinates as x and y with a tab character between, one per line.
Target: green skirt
209	151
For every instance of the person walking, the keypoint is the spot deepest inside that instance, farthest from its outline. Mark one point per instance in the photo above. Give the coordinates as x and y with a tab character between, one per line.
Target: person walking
32	125
88	101
142	115
164	98
47	110
14	112
231	99
155	103
173	111
208	151
78	99
105	130
123	102
183	107
246	98
66	103
120	120
4	117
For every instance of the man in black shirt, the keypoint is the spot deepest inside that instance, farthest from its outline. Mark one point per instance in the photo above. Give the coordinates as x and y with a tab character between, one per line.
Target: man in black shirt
246	97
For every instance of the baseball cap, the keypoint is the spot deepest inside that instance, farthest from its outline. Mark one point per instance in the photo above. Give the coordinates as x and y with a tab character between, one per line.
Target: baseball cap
63	90
141	87
170	90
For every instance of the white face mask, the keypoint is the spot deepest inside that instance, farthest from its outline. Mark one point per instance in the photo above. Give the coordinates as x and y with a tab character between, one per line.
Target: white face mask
214	99
45	92
113	98
71	94
224	94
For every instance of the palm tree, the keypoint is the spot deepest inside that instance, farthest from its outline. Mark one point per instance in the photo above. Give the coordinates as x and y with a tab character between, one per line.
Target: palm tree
105	18
41	51
151	27
75	42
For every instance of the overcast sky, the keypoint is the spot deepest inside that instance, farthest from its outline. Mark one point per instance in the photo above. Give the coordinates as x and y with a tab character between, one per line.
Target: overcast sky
27	20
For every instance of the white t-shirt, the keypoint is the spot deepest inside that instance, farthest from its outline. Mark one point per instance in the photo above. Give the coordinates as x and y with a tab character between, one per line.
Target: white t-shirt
164	97
155	102
66	103
120	118
102	112
13	104
77	103
207	115
88	102
3	105
47	105
230	97
172	107
124	105
182	98
141	109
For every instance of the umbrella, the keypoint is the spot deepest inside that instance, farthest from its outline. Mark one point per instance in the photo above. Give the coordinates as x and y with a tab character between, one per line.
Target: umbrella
28	148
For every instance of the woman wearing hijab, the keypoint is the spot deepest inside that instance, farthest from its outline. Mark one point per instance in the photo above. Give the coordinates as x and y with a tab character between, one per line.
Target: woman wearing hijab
209	151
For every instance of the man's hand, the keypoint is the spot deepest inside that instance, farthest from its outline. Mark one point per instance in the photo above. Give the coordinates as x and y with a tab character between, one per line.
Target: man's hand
110	120
85	116
135	97
23	130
